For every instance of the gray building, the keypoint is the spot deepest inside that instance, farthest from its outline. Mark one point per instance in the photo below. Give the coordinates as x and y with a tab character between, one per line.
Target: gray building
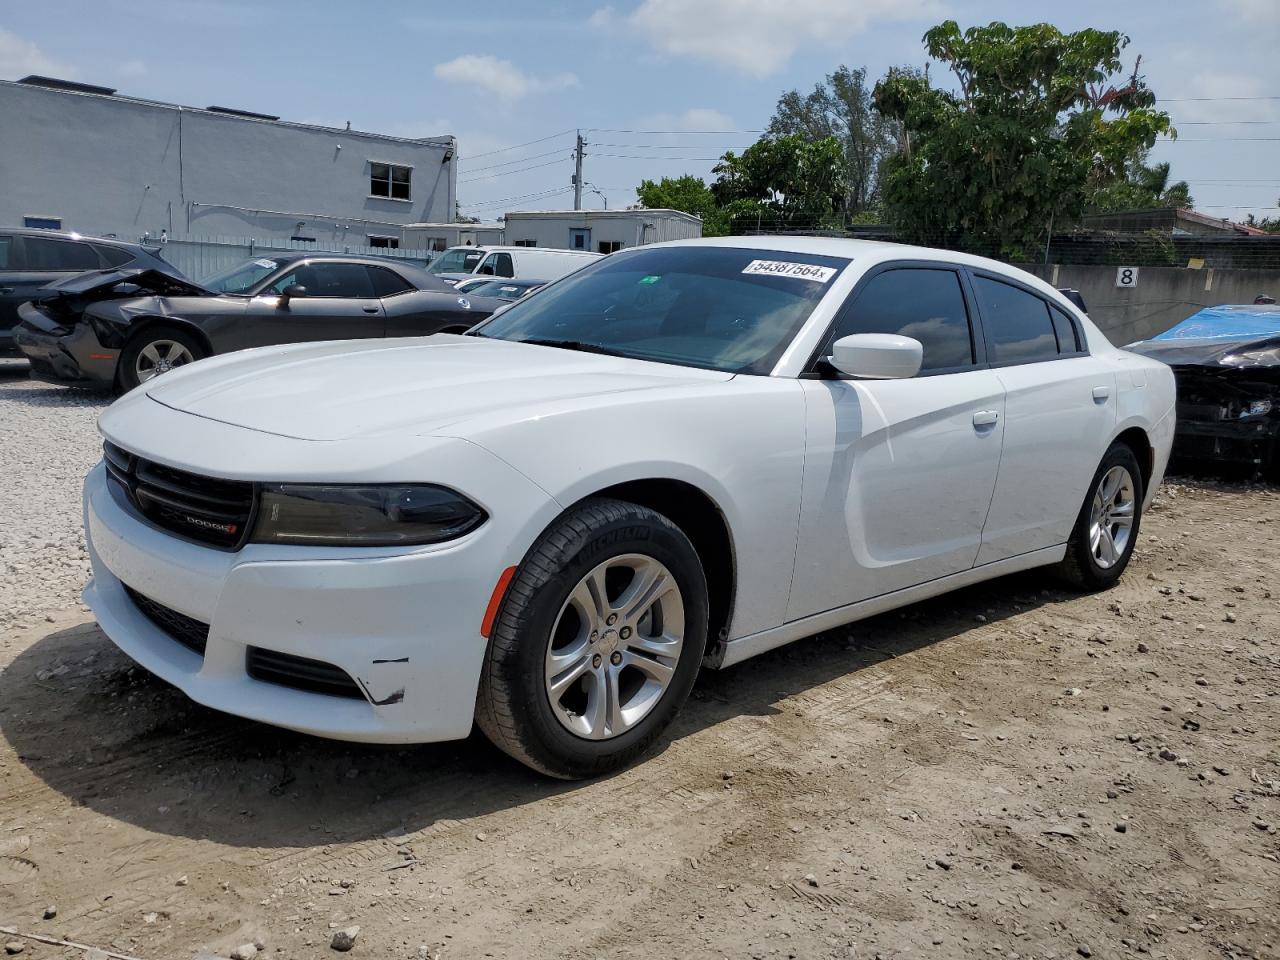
80	157
599	231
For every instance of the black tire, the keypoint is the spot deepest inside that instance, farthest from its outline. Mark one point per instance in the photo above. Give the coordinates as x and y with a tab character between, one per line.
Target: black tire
514	708
1080	566
127	374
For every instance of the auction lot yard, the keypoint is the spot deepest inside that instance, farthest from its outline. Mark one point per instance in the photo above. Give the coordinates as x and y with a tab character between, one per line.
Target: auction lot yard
1011	771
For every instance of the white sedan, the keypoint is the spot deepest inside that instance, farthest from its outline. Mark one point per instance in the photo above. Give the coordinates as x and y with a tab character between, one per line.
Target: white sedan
681	456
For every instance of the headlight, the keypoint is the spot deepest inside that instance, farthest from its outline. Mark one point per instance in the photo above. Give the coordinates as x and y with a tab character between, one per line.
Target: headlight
376	515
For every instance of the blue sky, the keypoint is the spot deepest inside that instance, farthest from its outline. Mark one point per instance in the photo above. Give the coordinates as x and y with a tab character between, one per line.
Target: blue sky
705	72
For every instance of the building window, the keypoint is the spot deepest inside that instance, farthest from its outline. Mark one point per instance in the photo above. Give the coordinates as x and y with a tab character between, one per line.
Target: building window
386	243
438	244
579	238
610	246
526	243
43	223
389	180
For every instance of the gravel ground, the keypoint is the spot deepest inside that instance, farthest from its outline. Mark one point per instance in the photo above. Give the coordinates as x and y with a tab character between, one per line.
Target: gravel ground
1012	771
48	442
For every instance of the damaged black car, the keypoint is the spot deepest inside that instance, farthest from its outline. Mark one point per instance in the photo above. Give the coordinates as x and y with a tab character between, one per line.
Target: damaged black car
1227	364
119	328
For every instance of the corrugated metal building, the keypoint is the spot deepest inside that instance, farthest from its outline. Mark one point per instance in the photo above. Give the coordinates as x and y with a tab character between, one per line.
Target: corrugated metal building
80	157
599	231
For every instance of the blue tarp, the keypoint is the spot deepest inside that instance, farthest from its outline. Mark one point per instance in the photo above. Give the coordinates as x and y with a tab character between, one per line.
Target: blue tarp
1227	322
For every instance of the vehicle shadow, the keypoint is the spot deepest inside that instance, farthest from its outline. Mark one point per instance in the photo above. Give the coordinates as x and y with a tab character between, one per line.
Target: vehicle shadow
109	736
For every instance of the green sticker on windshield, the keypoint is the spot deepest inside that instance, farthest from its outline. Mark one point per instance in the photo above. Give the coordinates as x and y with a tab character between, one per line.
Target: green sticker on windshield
650	279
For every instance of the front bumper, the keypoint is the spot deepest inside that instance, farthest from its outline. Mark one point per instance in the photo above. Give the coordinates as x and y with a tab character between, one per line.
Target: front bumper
74	359
1254	443
403	623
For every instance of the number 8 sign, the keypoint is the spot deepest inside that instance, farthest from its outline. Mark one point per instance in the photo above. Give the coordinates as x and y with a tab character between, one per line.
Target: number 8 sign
1126	276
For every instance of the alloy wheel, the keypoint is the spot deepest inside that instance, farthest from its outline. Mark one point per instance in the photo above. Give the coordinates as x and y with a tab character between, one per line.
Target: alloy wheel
615	646
1111	517
160	356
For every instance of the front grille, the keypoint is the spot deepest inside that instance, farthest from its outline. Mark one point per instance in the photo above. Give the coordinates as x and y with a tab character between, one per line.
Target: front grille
188	631
207	509
286	670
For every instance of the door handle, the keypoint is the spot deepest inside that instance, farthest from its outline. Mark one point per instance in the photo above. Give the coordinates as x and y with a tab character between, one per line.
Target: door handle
369	309
6	289
986	418
1100	394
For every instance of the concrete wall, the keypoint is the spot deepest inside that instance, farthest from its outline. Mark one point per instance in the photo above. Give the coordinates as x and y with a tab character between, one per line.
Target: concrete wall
1163	297
112	165
631	228
441	236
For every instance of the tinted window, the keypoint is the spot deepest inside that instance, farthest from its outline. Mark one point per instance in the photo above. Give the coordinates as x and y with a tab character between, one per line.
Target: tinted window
387	283
927	305
503	266
5	243
714	307
42	254
329	280
241	278
113	256
1017	323
1068	335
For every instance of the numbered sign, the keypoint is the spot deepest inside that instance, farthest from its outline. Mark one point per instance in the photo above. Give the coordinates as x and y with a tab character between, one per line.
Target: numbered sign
1126	276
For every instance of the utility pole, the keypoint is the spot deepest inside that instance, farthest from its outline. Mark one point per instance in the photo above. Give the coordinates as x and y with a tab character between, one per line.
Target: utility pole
577	173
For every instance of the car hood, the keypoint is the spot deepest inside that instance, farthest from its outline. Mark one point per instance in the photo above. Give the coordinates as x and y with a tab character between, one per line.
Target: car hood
101	283
1213	352
343	389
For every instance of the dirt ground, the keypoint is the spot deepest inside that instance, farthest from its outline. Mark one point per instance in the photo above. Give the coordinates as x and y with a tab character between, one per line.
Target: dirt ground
1012	771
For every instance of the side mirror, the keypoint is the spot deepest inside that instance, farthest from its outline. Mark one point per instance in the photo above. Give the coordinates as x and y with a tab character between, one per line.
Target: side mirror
877	356
291	291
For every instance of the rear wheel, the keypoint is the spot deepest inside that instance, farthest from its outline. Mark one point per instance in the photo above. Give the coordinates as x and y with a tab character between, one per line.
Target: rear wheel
598	641
1106	529
156	351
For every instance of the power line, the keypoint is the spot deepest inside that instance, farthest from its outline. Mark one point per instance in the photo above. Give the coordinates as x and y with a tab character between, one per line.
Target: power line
1222	140
1209	99
663	146
479	205
1219	123
507	173
516	146
627	156
672	133
494	166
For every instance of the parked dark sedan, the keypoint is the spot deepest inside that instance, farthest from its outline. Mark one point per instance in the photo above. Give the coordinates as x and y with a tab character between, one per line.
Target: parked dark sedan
118	328
31	259
1227	364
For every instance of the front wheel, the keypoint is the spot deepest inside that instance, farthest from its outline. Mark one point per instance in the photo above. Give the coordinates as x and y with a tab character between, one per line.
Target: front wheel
1106	529
156	351
598	641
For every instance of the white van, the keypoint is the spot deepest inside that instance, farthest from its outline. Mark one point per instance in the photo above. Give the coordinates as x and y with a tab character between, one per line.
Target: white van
523	263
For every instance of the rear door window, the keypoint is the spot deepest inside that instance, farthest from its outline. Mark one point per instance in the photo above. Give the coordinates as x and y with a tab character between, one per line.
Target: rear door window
47	254
6	244
924	304
1017	324
1067	332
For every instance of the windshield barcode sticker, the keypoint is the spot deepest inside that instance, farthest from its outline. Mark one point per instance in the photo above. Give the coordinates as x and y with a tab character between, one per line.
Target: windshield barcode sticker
786	268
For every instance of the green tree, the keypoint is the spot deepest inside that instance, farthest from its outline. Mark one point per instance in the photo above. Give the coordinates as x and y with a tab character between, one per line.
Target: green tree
785	178
840	107
1142	185
1035	128
1269	224
689	194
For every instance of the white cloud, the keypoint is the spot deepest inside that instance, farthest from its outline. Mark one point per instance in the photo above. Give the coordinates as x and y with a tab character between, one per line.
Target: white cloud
500	77
132	68
759	37
603	17
1222	98
19	57
695	118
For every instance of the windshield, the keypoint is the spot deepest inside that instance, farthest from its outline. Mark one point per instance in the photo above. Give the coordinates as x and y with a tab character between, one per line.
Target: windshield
241	278
714	307
457	260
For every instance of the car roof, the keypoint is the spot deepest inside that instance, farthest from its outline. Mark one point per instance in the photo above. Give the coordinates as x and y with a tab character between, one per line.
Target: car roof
492	248
72	235
410	271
